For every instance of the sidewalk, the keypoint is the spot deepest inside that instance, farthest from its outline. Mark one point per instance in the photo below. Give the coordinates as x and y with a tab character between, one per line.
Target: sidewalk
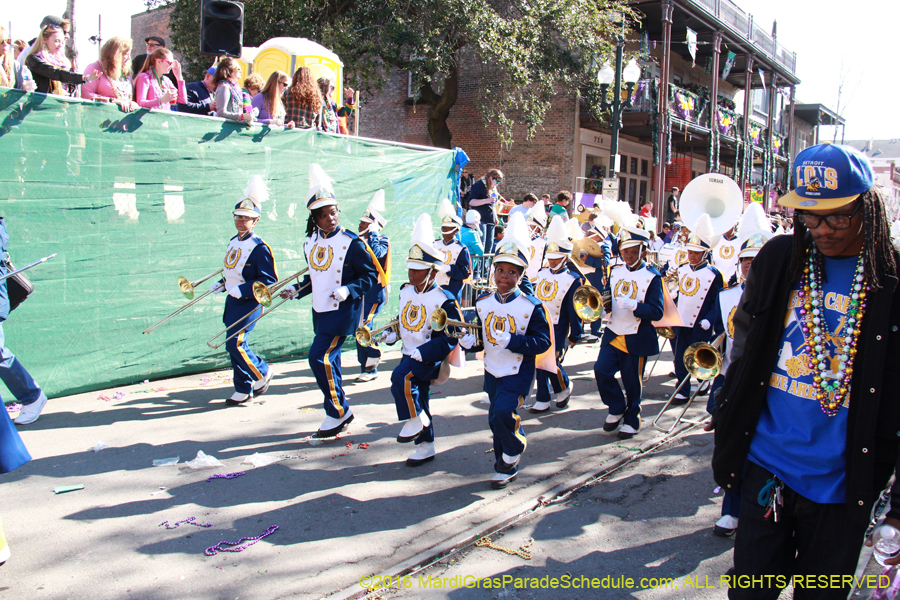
344	508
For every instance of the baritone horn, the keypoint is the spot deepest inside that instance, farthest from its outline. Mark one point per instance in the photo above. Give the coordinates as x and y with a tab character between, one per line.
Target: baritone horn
703	361
365	337
590	303
439	322
187	288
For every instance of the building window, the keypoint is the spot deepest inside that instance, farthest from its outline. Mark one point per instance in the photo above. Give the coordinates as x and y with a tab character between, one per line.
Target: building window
623	183
632	195
623	164
644	167
634	165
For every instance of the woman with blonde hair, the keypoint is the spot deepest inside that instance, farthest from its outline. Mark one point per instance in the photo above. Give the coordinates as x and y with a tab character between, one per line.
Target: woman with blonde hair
229	97
10	69
267	105
112	85
48	65
303	100
152	89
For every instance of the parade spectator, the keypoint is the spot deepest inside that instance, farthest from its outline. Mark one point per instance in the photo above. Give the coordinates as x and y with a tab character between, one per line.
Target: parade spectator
470	236
525	207
465	184
268	106
49	67
545	198
666	228
229	98
482	197
48	20
303	101
332	116
112	85
200	96
152	89
672	206
563	205
647	208
150	44
253	84
18	47
10	69
499	232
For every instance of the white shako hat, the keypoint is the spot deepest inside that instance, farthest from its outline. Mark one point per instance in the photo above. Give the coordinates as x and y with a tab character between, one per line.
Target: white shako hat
321	188
754	231
515	247
702	238
602	224
558	243
374	210
422	253
250	204
447	215
538	214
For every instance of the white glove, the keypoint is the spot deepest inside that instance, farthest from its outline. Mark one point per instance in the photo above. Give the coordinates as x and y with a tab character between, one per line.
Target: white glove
341	294
626	303
704	325
468	340
289	291
673	270
416	355
217	288
503	338
442	268
235	292
391	338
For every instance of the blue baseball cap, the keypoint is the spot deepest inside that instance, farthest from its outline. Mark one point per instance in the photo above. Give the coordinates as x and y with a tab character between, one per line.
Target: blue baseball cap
828	176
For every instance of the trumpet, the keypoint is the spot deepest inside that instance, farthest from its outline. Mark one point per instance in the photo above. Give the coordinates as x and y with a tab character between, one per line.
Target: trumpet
263	294
439	322
703	361
590	303
187	288
365	337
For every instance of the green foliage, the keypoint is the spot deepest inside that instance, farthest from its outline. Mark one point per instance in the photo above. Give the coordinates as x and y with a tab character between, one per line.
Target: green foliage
529	50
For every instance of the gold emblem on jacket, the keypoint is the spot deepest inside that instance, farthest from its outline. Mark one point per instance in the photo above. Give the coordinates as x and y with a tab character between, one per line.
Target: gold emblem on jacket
547	290
626	288
232	258
321	257
495	324
413	316
689	285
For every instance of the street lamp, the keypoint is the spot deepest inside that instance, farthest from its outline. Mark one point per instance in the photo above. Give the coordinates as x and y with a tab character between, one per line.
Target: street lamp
607	76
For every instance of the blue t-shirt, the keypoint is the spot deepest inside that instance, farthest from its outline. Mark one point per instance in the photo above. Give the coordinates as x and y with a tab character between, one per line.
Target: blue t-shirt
794	439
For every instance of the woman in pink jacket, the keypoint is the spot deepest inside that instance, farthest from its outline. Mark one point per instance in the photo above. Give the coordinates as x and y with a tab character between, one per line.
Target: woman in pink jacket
152	89
111	85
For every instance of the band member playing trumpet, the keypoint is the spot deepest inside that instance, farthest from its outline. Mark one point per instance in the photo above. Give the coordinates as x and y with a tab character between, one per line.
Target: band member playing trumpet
423	347
599	232
370	226
247	260
515	329
699	284
342	270
629	337
555	288
457	264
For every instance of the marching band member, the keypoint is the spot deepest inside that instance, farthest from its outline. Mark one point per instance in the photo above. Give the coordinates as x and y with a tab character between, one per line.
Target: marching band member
599	232
515	329
423	348
457	265
629	337
342	269
555	288
537	223
755	231
725	255
247	260
699	284
370	226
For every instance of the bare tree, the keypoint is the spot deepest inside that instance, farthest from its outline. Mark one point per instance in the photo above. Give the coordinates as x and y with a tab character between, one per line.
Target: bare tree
71	50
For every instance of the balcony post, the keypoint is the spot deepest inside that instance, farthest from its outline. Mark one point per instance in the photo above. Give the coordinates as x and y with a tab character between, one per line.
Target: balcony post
767	179
792	144
748	91
714	97
662	104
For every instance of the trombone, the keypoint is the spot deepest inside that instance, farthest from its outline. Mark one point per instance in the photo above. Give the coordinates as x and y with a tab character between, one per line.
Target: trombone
703	361
263	294
439	322
668	335
365	337
188	288
590	303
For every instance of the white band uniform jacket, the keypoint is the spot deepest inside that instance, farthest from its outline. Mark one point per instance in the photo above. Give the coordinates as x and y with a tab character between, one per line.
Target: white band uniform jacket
729	298
644	341
725	257
247	261
457	257
339	259
552	287
415	319
526	319
694	300
536	259
633	285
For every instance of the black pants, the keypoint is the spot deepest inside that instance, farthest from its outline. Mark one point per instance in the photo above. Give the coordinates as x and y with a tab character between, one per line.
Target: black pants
809	540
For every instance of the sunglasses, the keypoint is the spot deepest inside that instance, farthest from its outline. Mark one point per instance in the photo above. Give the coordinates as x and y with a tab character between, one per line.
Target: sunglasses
836	222
283	83
165	60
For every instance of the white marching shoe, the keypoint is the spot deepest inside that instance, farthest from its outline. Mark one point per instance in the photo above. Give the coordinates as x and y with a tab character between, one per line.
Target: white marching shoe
562	399
423	454
539	407
331	426
261	386
501	480
413	428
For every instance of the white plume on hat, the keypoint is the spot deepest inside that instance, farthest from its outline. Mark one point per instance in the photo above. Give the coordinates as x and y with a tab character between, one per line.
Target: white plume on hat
573	229
620	213
446	213
423	237
517	229
538	213
754	219
373	212
602	220
516	244
703	229
320	185
556	232
256	190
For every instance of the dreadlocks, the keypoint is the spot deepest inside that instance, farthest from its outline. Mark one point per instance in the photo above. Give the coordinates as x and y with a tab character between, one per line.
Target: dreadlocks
878	250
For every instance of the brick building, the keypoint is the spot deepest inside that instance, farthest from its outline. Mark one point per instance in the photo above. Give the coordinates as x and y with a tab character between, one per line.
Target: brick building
151	22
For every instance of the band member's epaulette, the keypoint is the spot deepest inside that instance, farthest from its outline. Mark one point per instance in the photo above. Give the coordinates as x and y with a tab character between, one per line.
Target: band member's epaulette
447	293
533	299
405	284
349	234
652	269
483	296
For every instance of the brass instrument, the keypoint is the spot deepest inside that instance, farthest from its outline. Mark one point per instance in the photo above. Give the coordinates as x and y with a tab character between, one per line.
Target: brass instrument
187	288
590	303
668	335
703	361
439	322
263	295
365	337
592	248
666	332
26	267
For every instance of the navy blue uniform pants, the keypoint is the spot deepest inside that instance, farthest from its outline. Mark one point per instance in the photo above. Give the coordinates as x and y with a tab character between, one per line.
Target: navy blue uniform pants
246	366
412	395
325	362
609	362
548	383
506	425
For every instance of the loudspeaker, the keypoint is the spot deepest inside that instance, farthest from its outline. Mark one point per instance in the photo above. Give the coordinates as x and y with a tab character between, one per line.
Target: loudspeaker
221	28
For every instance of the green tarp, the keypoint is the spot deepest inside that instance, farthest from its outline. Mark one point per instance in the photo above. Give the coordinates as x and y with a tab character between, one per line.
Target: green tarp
131	202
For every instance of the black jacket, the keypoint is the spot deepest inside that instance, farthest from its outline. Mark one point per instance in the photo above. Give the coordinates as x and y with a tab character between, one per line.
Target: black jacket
873	427
43	73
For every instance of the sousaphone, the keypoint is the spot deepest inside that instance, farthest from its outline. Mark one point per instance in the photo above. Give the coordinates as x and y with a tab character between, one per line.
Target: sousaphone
713	194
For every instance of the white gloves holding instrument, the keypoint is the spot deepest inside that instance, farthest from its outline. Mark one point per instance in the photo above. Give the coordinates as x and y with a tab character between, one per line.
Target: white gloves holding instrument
704	325
217	288
391	338
503	338
341	294
468	341
626	303
235	292
416	355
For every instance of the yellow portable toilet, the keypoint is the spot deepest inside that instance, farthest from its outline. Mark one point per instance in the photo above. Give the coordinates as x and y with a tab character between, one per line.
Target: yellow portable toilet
288	54
248	55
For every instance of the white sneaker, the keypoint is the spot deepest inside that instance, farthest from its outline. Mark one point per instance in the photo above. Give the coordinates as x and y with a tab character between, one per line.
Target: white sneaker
413	428
239	398
627	432
562	398
261	386
726	526
363	377
31	412
539	407
424	453
612	422
331	426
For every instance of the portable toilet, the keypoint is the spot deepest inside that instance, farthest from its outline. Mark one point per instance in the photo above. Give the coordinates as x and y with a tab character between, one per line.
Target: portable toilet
288	54
248	55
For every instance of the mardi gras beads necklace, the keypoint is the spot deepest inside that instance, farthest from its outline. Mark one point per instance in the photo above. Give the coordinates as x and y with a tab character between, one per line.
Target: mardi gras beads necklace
831	392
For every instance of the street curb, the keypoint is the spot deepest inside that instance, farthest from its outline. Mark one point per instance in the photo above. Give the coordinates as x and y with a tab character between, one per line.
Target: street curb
428	557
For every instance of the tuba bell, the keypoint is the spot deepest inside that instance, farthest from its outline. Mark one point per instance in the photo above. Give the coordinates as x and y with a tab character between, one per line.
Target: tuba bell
713	194
589	303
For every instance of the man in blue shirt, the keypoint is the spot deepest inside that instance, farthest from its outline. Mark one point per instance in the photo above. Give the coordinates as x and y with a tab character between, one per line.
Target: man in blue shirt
201	96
